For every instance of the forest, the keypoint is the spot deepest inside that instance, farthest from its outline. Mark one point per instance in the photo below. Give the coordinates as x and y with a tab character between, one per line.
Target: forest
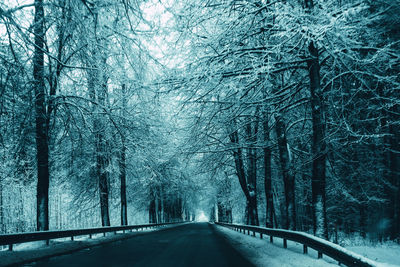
283	114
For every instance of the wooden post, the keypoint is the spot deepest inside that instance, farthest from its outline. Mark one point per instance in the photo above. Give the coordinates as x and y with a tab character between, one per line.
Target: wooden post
319	255
10	247
72	238
305	249
284	243
271	239
261	236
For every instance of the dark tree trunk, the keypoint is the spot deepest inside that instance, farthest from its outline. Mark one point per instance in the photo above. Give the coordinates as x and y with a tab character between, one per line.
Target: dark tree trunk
101	157
97	87
251	134
162	211
267	174
158	207
122	163
363	220
2	224
393	173
224	213
288	177
318	145
101	173
152	210
238	157
308	211
212	214
248	186
42	146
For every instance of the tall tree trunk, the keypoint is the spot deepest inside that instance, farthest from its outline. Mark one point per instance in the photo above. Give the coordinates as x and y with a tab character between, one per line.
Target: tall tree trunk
122	163
156	207
2	225
251	199
269	222
318	145
393	173
98	88
152	211
42	146
162	211
101	173
152	206
251	134
159	206
288	177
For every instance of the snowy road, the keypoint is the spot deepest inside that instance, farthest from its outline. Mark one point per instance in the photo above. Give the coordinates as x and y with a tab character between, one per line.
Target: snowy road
194	244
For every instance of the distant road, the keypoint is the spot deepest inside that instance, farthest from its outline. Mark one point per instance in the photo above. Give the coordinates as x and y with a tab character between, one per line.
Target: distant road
194	244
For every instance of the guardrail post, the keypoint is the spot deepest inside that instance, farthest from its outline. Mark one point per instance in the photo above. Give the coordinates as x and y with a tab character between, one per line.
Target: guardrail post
261	236
72	238
254	233
271	239
305	249
284	243
47	242
248	232
90	236
104	234
319	255
10	247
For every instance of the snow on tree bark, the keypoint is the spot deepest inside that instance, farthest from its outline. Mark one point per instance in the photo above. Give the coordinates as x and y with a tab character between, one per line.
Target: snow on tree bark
42	146
318	146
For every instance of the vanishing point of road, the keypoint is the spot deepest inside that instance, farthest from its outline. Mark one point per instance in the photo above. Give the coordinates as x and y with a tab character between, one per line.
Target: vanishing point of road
193	244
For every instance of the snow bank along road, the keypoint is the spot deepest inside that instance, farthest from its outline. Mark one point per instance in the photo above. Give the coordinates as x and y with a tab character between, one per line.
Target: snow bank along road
194	244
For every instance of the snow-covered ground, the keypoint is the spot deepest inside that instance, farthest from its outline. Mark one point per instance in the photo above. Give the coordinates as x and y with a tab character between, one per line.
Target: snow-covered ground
262	253
383	253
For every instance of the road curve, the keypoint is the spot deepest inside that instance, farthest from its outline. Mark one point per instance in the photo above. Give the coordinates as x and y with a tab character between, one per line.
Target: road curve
194	244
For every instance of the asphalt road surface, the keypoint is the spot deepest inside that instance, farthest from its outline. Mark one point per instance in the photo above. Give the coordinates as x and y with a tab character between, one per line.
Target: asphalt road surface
194	244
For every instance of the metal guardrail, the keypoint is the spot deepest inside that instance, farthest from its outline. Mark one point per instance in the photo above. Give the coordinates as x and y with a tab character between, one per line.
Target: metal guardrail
322	246
11	239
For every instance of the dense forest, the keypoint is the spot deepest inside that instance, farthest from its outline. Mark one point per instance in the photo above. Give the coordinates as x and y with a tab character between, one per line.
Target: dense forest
284	114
